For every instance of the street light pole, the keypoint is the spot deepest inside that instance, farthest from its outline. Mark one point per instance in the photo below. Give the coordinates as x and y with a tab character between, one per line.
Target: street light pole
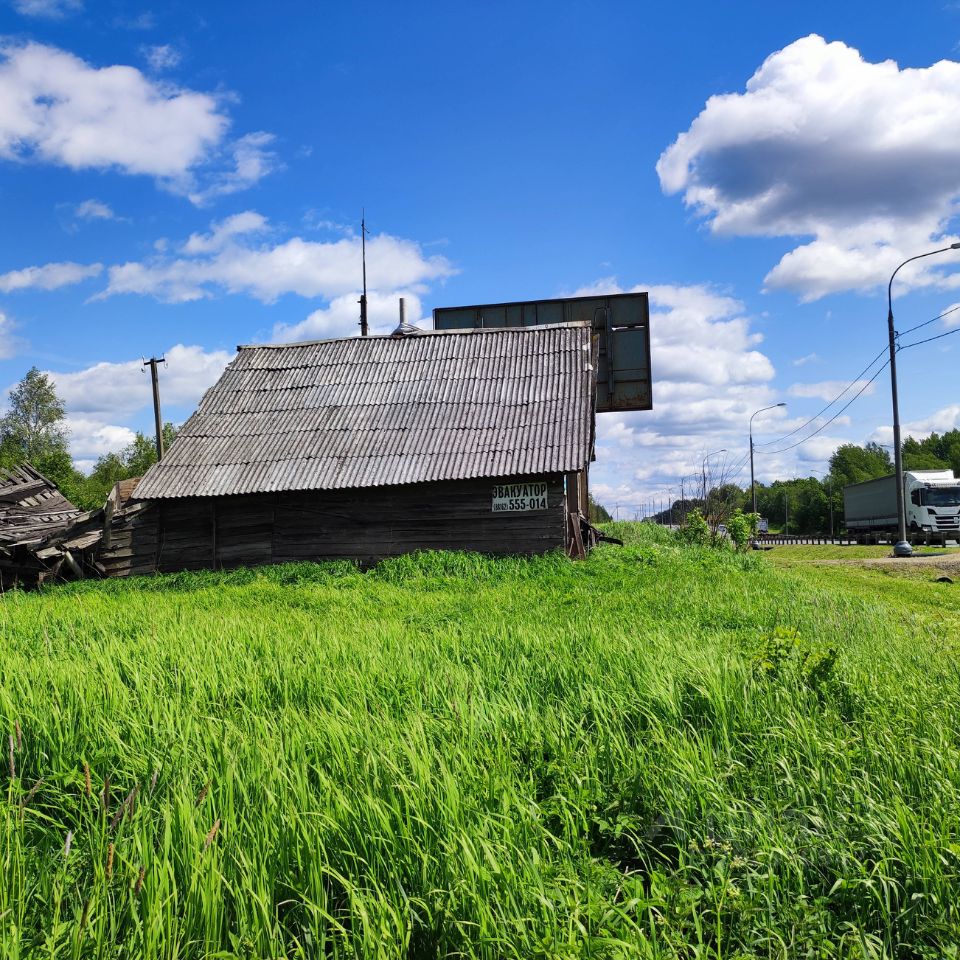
901	548
753	488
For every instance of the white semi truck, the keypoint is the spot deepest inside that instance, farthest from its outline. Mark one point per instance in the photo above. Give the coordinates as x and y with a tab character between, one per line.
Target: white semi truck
931	499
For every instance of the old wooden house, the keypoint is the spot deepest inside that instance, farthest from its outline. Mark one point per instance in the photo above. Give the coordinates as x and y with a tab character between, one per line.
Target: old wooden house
366	448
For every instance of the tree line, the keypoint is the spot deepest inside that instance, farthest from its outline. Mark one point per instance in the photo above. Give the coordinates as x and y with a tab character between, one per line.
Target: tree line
814	505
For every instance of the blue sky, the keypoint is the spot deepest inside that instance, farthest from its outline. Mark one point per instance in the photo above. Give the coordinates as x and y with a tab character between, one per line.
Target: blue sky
182	178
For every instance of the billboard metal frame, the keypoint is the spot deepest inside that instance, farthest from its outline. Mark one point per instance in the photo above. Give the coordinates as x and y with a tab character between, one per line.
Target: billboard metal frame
617	319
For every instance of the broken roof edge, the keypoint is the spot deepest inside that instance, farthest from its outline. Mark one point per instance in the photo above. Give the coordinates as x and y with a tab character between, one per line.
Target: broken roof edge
464	331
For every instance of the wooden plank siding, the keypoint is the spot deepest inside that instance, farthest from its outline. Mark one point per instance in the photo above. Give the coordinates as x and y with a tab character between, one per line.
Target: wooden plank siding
365	525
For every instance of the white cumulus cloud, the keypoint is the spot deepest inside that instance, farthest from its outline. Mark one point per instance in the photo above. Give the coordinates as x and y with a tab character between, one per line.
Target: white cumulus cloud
47	9
829	389
94	210
9	341
940	421
709	376
49	276
162	56
118	390
342	317
251	159
226	230
100	398
227	260
862	157
90	439
56	108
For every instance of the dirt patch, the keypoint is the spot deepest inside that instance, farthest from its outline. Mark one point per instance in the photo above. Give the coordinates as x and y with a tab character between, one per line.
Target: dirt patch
929	566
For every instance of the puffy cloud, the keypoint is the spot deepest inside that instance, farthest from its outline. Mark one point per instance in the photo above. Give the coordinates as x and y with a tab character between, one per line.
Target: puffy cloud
9	342
50	276
94	210
91	439
861	156
818	450
708	378
59	109
109	391
697	335
829	389
940	421
251	162
951	316
342	317
47	9
56	108
226	261
99	398
226	230
162	56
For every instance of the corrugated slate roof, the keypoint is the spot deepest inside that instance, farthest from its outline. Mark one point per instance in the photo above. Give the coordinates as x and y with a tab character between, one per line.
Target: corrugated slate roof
375	411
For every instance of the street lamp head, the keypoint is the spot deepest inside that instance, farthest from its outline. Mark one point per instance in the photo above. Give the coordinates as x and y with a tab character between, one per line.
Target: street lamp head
955	246
781	404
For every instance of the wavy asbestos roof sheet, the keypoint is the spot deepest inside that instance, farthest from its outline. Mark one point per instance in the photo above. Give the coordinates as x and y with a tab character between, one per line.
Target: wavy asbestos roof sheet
377	411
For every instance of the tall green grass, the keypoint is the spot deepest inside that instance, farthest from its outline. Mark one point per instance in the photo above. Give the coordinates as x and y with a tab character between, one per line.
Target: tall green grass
660	752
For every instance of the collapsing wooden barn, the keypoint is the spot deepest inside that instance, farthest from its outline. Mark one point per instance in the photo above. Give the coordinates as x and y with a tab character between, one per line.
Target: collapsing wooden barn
365	448
35	518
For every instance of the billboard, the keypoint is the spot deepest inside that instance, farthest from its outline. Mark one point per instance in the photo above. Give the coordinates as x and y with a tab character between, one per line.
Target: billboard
621	323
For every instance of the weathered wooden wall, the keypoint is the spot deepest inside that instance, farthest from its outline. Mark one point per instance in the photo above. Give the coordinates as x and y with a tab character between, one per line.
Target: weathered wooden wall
365	525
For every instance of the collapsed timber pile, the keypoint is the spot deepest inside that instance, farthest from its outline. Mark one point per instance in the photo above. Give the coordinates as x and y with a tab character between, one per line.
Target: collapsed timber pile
44	537
33	515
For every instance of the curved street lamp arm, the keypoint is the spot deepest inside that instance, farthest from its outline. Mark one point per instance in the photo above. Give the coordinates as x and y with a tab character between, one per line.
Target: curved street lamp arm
761	410
919	256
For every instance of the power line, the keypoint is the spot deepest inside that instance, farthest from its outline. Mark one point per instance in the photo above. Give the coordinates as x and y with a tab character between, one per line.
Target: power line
846	389
853	383
824	426
939	336
939	316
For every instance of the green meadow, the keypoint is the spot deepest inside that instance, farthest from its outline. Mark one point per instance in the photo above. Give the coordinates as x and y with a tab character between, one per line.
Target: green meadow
663	751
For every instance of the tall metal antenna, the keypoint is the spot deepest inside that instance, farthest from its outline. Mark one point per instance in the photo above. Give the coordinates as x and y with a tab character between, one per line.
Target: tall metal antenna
363	296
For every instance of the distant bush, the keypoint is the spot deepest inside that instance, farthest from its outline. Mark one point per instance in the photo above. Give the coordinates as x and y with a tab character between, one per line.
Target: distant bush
695	529
742	528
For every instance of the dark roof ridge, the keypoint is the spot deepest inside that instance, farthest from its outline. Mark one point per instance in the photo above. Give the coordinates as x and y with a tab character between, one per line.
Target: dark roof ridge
466	331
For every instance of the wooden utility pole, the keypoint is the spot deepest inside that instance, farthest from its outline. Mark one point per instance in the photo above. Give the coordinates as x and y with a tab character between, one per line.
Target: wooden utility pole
158	420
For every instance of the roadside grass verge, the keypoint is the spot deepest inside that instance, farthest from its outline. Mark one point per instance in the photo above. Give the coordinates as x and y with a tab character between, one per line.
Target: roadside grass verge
663	751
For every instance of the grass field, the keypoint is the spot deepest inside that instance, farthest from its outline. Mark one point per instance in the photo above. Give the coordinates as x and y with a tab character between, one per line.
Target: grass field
663	751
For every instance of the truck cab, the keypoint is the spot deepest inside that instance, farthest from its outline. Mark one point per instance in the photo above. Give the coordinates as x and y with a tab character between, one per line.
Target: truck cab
932	500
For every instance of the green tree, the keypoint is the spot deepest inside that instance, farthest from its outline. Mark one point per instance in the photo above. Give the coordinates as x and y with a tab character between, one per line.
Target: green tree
853	464
34	431
722	501
34	426
598	512
936	452
809	507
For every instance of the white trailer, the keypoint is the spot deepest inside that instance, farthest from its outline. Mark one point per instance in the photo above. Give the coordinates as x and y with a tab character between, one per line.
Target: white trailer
931	501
